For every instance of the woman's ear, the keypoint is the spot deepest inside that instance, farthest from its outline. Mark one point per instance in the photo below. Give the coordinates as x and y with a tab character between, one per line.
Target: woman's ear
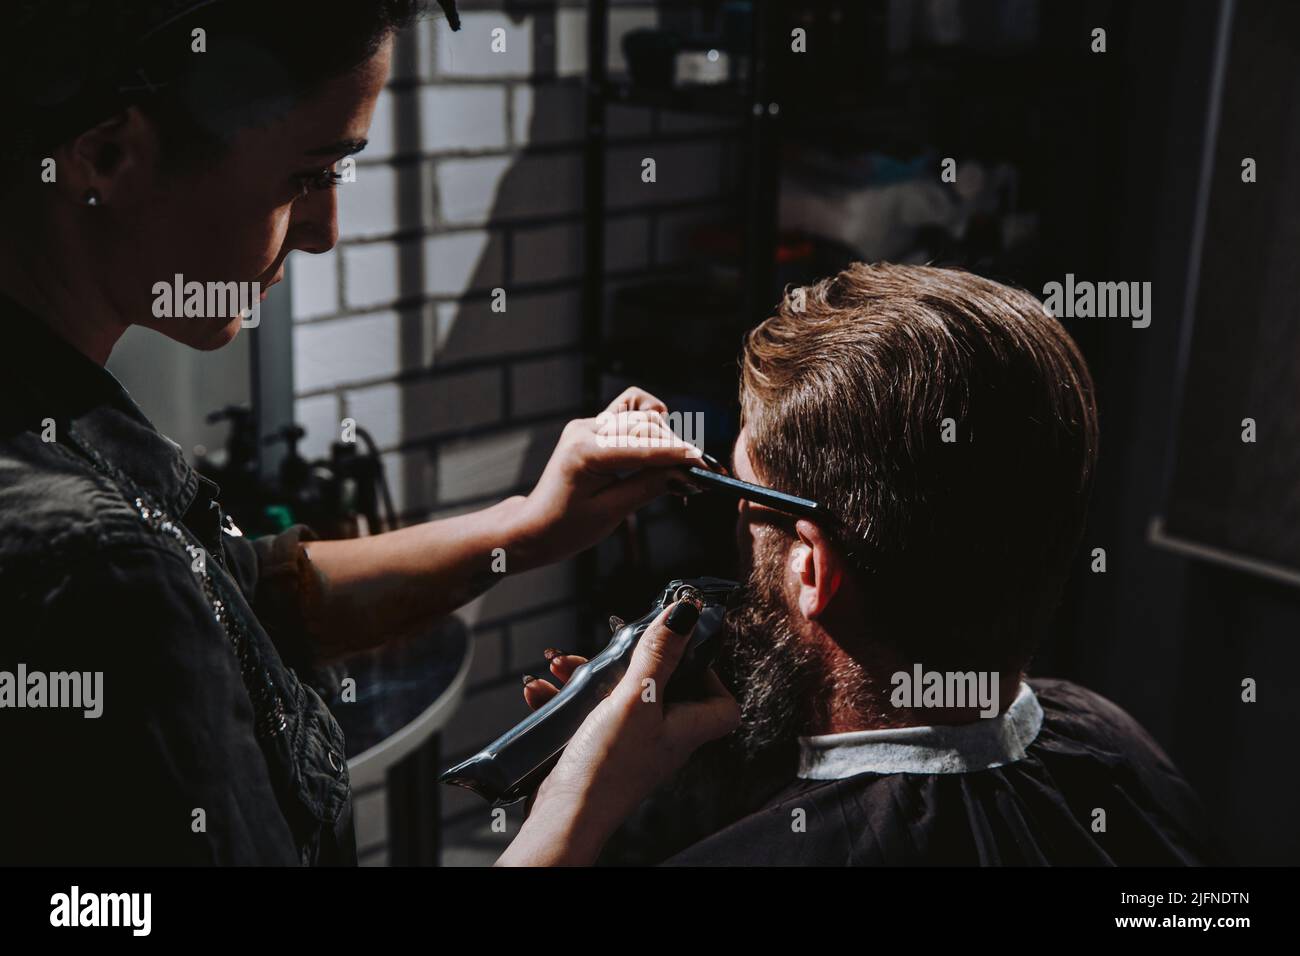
818	569
109	161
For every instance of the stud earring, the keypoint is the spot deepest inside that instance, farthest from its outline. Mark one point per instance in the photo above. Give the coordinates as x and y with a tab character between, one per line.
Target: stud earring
92	197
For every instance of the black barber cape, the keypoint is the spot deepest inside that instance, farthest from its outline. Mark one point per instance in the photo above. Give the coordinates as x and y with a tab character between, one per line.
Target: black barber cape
1086	758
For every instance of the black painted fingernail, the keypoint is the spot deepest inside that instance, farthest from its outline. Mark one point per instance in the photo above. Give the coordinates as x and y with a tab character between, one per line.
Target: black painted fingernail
683	617
551	653
528	679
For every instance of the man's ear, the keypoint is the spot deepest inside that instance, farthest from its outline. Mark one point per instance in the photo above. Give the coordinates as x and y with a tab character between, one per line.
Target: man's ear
818	569
111	158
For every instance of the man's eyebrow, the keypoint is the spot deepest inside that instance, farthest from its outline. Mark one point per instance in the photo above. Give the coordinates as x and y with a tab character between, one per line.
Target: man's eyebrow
344	147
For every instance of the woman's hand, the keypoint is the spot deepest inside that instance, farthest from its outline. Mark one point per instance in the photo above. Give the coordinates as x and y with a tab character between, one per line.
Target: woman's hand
602	469
628	746
374	589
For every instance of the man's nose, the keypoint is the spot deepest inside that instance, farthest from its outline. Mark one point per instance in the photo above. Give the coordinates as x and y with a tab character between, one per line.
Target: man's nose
314	224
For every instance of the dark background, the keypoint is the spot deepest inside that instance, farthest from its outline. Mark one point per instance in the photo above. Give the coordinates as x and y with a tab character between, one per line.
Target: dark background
1168	637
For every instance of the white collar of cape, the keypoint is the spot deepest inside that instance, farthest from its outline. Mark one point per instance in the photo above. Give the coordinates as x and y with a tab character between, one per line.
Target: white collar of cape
958	748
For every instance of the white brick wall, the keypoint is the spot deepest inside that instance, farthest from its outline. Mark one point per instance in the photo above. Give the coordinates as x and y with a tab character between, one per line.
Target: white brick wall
457	262
331	354
314	284
487	45
369	206
570	42
371	273
488	465
531	322
546	385
472	190
544	253
463	118
541	588
473	181
449	403
469	188
382	138
547	114
320	417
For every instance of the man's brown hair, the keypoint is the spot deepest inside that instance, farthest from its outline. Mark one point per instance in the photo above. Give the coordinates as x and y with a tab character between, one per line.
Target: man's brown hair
961	546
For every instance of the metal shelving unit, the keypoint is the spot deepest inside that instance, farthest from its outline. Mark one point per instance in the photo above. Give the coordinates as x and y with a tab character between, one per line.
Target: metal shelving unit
761	134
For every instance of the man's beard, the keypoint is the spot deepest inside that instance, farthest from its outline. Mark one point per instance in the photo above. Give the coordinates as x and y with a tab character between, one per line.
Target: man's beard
776	678
774	673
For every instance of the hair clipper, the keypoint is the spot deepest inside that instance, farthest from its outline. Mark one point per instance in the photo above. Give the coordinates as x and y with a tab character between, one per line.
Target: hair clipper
514	765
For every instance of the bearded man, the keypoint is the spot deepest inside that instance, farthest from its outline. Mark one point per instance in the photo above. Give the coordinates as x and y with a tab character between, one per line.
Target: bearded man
948	425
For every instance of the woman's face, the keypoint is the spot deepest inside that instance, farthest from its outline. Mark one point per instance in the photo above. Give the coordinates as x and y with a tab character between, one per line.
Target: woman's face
233	220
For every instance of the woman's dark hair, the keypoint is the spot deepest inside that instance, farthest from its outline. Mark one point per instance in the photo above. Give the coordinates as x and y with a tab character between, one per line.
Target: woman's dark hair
74	63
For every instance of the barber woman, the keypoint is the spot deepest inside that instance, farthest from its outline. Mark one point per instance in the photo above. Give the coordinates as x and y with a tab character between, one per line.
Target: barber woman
120	578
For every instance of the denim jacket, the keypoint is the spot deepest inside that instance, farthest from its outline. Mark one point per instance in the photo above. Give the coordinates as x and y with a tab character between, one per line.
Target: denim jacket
115	560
